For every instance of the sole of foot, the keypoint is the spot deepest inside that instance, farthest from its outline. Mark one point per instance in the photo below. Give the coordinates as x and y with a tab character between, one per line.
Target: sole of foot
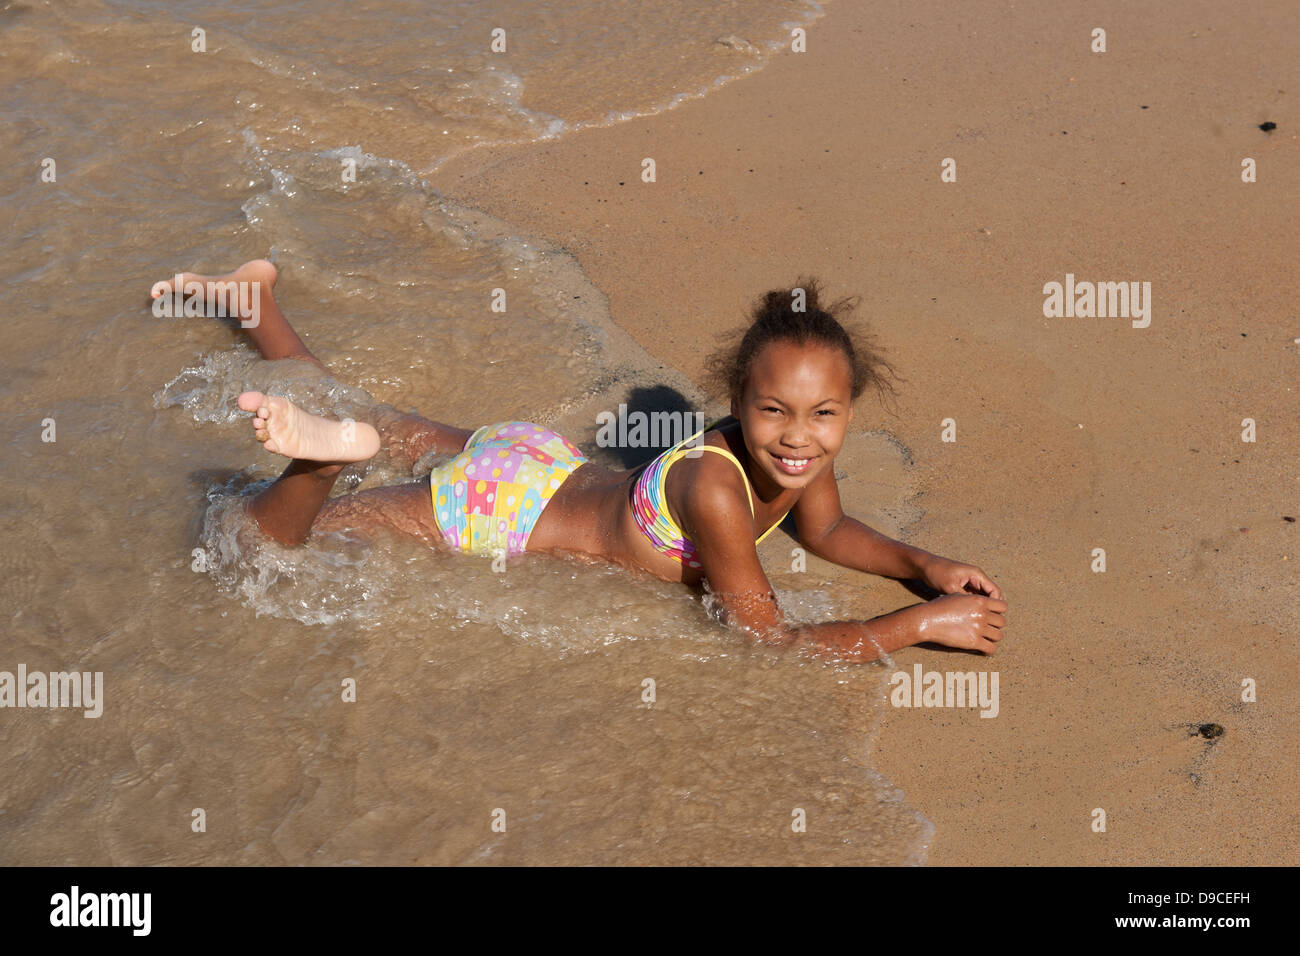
262	271
285	429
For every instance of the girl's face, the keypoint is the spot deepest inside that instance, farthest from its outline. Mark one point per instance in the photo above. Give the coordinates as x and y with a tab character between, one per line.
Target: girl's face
795	411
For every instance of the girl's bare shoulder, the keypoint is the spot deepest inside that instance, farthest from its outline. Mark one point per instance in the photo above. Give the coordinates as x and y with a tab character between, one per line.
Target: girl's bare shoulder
707	479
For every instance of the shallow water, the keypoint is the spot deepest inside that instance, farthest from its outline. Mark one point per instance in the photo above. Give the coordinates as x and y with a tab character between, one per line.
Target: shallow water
224	656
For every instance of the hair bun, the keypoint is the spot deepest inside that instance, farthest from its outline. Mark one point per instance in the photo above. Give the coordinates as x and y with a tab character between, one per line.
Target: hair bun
775	318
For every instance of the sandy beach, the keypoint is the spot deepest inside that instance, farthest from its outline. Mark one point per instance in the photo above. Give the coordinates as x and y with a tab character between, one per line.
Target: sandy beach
1126	471
1073	433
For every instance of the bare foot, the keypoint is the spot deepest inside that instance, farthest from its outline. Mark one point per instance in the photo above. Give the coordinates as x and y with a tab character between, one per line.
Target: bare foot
254	270
246	293
287	430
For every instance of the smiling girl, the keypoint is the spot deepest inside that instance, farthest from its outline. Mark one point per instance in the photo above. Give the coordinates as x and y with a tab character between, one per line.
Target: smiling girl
684	516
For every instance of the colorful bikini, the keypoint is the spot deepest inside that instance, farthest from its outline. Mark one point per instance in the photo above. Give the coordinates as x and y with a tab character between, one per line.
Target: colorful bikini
650	503
490	496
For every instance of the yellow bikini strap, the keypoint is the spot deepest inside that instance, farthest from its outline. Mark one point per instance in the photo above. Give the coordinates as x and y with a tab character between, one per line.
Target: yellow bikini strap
730	457
735	461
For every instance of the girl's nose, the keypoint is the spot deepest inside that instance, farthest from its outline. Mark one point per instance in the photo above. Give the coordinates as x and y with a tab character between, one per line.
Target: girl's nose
796	434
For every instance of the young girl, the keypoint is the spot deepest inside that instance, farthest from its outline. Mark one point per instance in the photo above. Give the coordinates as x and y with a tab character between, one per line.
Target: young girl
685	516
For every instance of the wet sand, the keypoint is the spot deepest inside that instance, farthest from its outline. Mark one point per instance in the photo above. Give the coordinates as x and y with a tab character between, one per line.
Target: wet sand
1073	433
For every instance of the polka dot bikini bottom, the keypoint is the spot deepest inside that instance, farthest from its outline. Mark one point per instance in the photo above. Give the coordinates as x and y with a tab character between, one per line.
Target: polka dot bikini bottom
490	496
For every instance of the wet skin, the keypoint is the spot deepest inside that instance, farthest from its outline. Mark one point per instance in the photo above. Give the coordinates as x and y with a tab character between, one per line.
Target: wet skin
790	424
591	512
787	428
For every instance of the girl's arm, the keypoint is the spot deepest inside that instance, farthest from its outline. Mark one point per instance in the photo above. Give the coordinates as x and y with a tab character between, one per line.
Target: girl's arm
715	515
826	531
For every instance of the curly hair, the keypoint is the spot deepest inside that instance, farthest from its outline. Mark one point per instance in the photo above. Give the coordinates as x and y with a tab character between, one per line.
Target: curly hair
774	318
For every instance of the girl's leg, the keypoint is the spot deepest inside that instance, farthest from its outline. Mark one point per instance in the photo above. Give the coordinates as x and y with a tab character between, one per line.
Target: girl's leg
406	509
320	448
269	329
287	510
406	437
298	504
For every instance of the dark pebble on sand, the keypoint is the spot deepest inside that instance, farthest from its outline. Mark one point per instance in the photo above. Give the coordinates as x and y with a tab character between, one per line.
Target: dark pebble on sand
1210	731
1288	518
1268	127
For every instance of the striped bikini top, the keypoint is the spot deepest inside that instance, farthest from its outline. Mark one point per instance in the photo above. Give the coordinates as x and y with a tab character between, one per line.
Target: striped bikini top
650	503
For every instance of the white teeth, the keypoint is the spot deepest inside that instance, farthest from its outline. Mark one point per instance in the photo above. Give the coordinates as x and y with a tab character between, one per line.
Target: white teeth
795	462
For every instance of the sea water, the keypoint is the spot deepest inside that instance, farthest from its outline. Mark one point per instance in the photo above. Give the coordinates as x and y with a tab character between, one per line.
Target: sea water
368	700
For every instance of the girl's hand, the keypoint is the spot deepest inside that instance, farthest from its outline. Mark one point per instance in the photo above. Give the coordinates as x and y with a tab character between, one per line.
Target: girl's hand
951	577
969	621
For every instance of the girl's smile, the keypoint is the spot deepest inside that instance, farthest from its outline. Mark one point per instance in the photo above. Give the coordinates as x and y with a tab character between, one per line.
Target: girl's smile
794	466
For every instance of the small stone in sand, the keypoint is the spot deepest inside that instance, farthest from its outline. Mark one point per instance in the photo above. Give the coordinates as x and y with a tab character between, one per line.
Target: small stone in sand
737	43
1268	127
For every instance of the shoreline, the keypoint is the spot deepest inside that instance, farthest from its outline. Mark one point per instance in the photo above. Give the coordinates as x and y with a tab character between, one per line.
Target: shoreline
1073	433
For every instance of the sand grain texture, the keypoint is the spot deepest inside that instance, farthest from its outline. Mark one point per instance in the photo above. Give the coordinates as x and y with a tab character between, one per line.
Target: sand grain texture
1073	433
